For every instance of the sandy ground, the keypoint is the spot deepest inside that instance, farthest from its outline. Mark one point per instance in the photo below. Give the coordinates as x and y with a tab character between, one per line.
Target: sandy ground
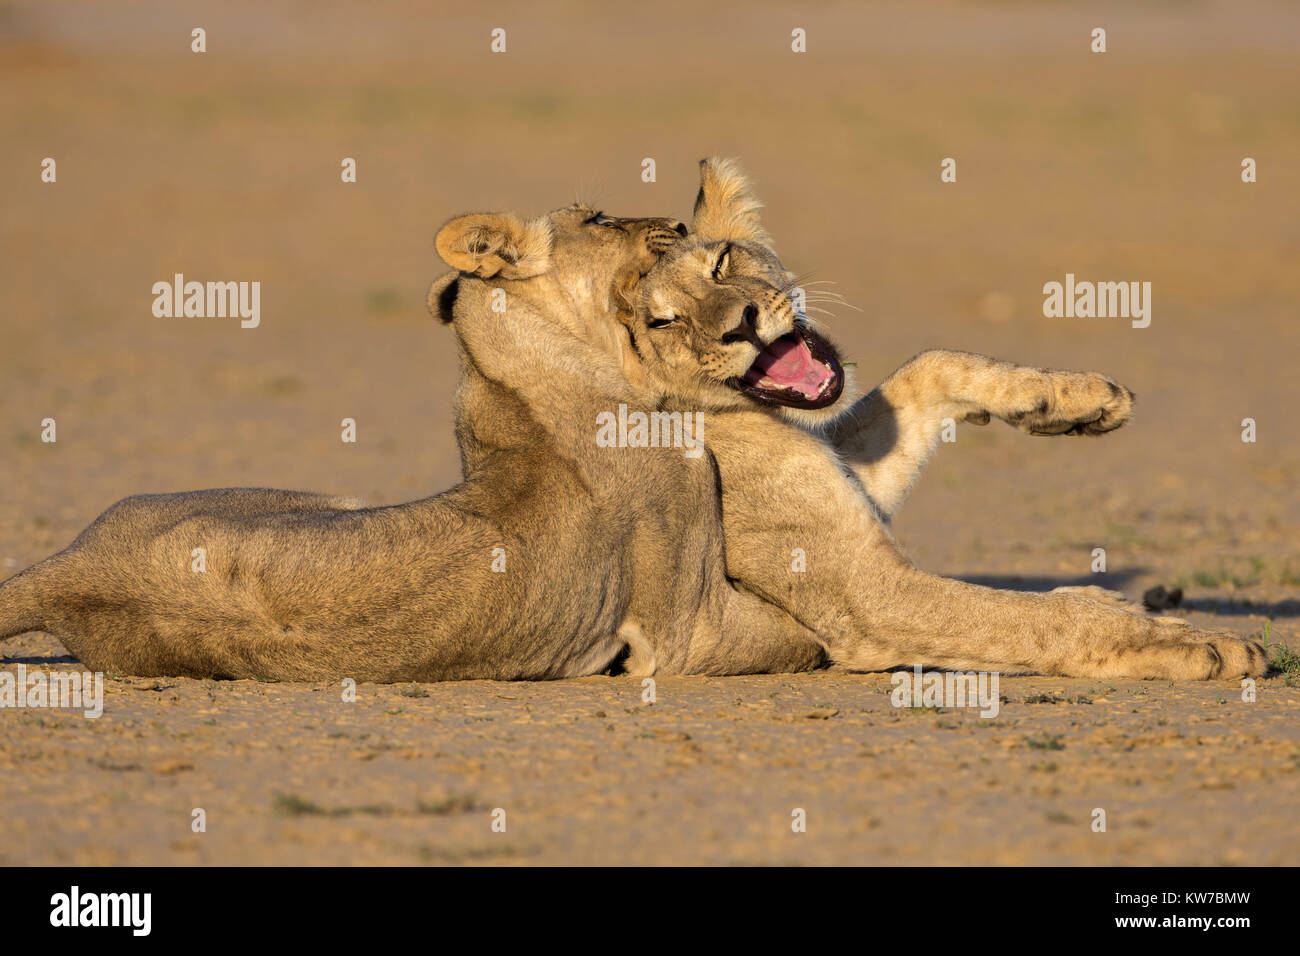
1122	166
710	773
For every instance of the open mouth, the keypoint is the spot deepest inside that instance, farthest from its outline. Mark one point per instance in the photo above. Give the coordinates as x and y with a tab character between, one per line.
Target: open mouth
800	370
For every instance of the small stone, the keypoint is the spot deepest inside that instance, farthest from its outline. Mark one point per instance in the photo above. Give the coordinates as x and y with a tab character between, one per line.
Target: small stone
822	713
1160	599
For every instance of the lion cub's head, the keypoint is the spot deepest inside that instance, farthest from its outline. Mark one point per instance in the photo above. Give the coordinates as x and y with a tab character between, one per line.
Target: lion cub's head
595	258
714	321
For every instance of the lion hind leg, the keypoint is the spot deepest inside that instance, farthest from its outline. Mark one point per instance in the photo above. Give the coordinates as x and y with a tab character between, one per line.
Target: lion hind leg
22	600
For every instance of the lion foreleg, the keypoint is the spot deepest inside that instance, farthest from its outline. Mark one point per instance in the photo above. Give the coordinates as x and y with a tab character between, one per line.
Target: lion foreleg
889	435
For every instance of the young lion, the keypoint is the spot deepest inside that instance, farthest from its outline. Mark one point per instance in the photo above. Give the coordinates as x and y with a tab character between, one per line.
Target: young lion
545	562
553	555
715	329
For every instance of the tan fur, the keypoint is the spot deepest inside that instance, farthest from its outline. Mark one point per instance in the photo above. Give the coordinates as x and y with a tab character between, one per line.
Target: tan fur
606	548
726	207
603	548
828	485
490	244
888	436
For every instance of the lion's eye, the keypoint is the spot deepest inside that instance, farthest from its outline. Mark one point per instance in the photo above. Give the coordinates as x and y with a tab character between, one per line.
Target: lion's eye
600	219
654	323
720	268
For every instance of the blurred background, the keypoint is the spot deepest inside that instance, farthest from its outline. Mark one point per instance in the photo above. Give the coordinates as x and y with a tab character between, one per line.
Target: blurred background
225	166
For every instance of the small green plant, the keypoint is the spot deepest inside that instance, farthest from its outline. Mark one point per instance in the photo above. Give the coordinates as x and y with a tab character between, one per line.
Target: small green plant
1284	659
383	301
456	803
1045	742
1053	699
292	805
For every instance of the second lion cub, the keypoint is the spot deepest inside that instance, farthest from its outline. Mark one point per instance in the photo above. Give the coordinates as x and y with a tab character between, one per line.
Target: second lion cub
715	329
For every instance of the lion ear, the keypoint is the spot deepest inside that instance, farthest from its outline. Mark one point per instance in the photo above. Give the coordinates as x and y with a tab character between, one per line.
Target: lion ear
496	244
442	296
623	293
726	208
622	300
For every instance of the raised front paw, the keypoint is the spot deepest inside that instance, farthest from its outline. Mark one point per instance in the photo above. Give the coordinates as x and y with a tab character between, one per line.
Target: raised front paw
1075	403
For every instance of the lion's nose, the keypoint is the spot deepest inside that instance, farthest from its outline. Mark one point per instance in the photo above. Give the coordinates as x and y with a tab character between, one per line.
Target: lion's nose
680	227
747	330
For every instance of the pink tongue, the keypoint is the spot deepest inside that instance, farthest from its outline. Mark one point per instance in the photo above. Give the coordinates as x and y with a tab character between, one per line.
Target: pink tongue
788	363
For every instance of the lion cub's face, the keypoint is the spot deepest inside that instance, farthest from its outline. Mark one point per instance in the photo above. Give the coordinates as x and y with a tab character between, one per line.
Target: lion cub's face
715	325
587	245
594	257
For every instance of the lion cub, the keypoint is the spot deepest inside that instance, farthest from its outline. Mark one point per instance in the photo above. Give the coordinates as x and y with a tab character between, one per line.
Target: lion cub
804	472
548	560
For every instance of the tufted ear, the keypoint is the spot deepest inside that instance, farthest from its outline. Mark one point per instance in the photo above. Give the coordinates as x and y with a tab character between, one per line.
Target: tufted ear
726	208
496	244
